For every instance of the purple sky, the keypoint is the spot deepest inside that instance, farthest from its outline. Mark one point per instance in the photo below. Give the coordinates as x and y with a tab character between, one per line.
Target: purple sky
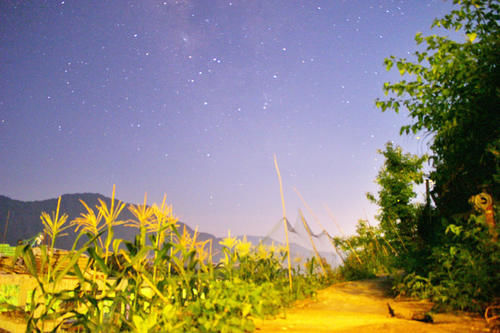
193	98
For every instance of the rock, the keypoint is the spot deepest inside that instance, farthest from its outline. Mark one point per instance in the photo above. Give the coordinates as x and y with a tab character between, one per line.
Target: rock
422	316
418	316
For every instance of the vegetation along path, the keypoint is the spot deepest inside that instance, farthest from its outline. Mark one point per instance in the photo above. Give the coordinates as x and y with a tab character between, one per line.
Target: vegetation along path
363	306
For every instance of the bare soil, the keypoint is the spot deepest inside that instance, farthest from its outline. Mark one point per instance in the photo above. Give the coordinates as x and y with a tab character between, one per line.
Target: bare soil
363	306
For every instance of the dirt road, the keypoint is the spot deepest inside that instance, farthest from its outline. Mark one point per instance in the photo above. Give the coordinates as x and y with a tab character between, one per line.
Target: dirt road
363	307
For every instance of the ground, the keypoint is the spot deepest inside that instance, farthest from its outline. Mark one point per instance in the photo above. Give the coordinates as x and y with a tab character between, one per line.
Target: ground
362	306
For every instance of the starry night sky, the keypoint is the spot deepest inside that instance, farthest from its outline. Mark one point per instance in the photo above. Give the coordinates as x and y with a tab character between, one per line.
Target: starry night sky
193	98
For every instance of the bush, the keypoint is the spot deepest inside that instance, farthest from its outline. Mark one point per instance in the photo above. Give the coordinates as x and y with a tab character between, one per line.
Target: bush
463	271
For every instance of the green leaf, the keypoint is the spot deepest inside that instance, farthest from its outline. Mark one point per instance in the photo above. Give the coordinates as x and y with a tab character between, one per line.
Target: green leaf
418	38
100	262
471	37
388	64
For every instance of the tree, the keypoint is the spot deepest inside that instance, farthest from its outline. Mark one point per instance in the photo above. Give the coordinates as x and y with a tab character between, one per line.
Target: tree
398	215
454	95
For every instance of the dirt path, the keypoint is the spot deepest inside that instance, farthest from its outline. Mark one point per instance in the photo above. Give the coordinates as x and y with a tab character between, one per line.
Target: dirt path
362	307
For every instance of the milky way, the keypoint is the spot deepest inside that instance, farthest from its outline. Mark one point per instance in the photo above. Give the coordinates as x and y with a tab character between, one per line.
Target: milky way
193	98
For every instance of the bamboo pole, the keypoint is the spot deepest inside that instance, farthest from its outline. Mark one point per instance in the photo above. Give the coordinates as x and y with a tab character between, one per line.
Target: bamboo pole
342	232
315	218
312	242
284	221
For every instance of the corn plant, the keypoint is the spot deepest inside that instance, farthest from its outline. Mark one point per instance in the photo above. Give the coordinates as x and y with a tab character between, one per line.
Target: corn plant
161	280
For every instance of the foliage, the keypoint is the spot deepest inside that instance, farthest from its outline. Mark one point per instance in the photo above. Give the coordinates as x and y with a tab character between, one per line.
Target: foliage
455	267
369	253
352	270
8	296
448	252
6	250
398	214
464	271
163	280
454	95
54	225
